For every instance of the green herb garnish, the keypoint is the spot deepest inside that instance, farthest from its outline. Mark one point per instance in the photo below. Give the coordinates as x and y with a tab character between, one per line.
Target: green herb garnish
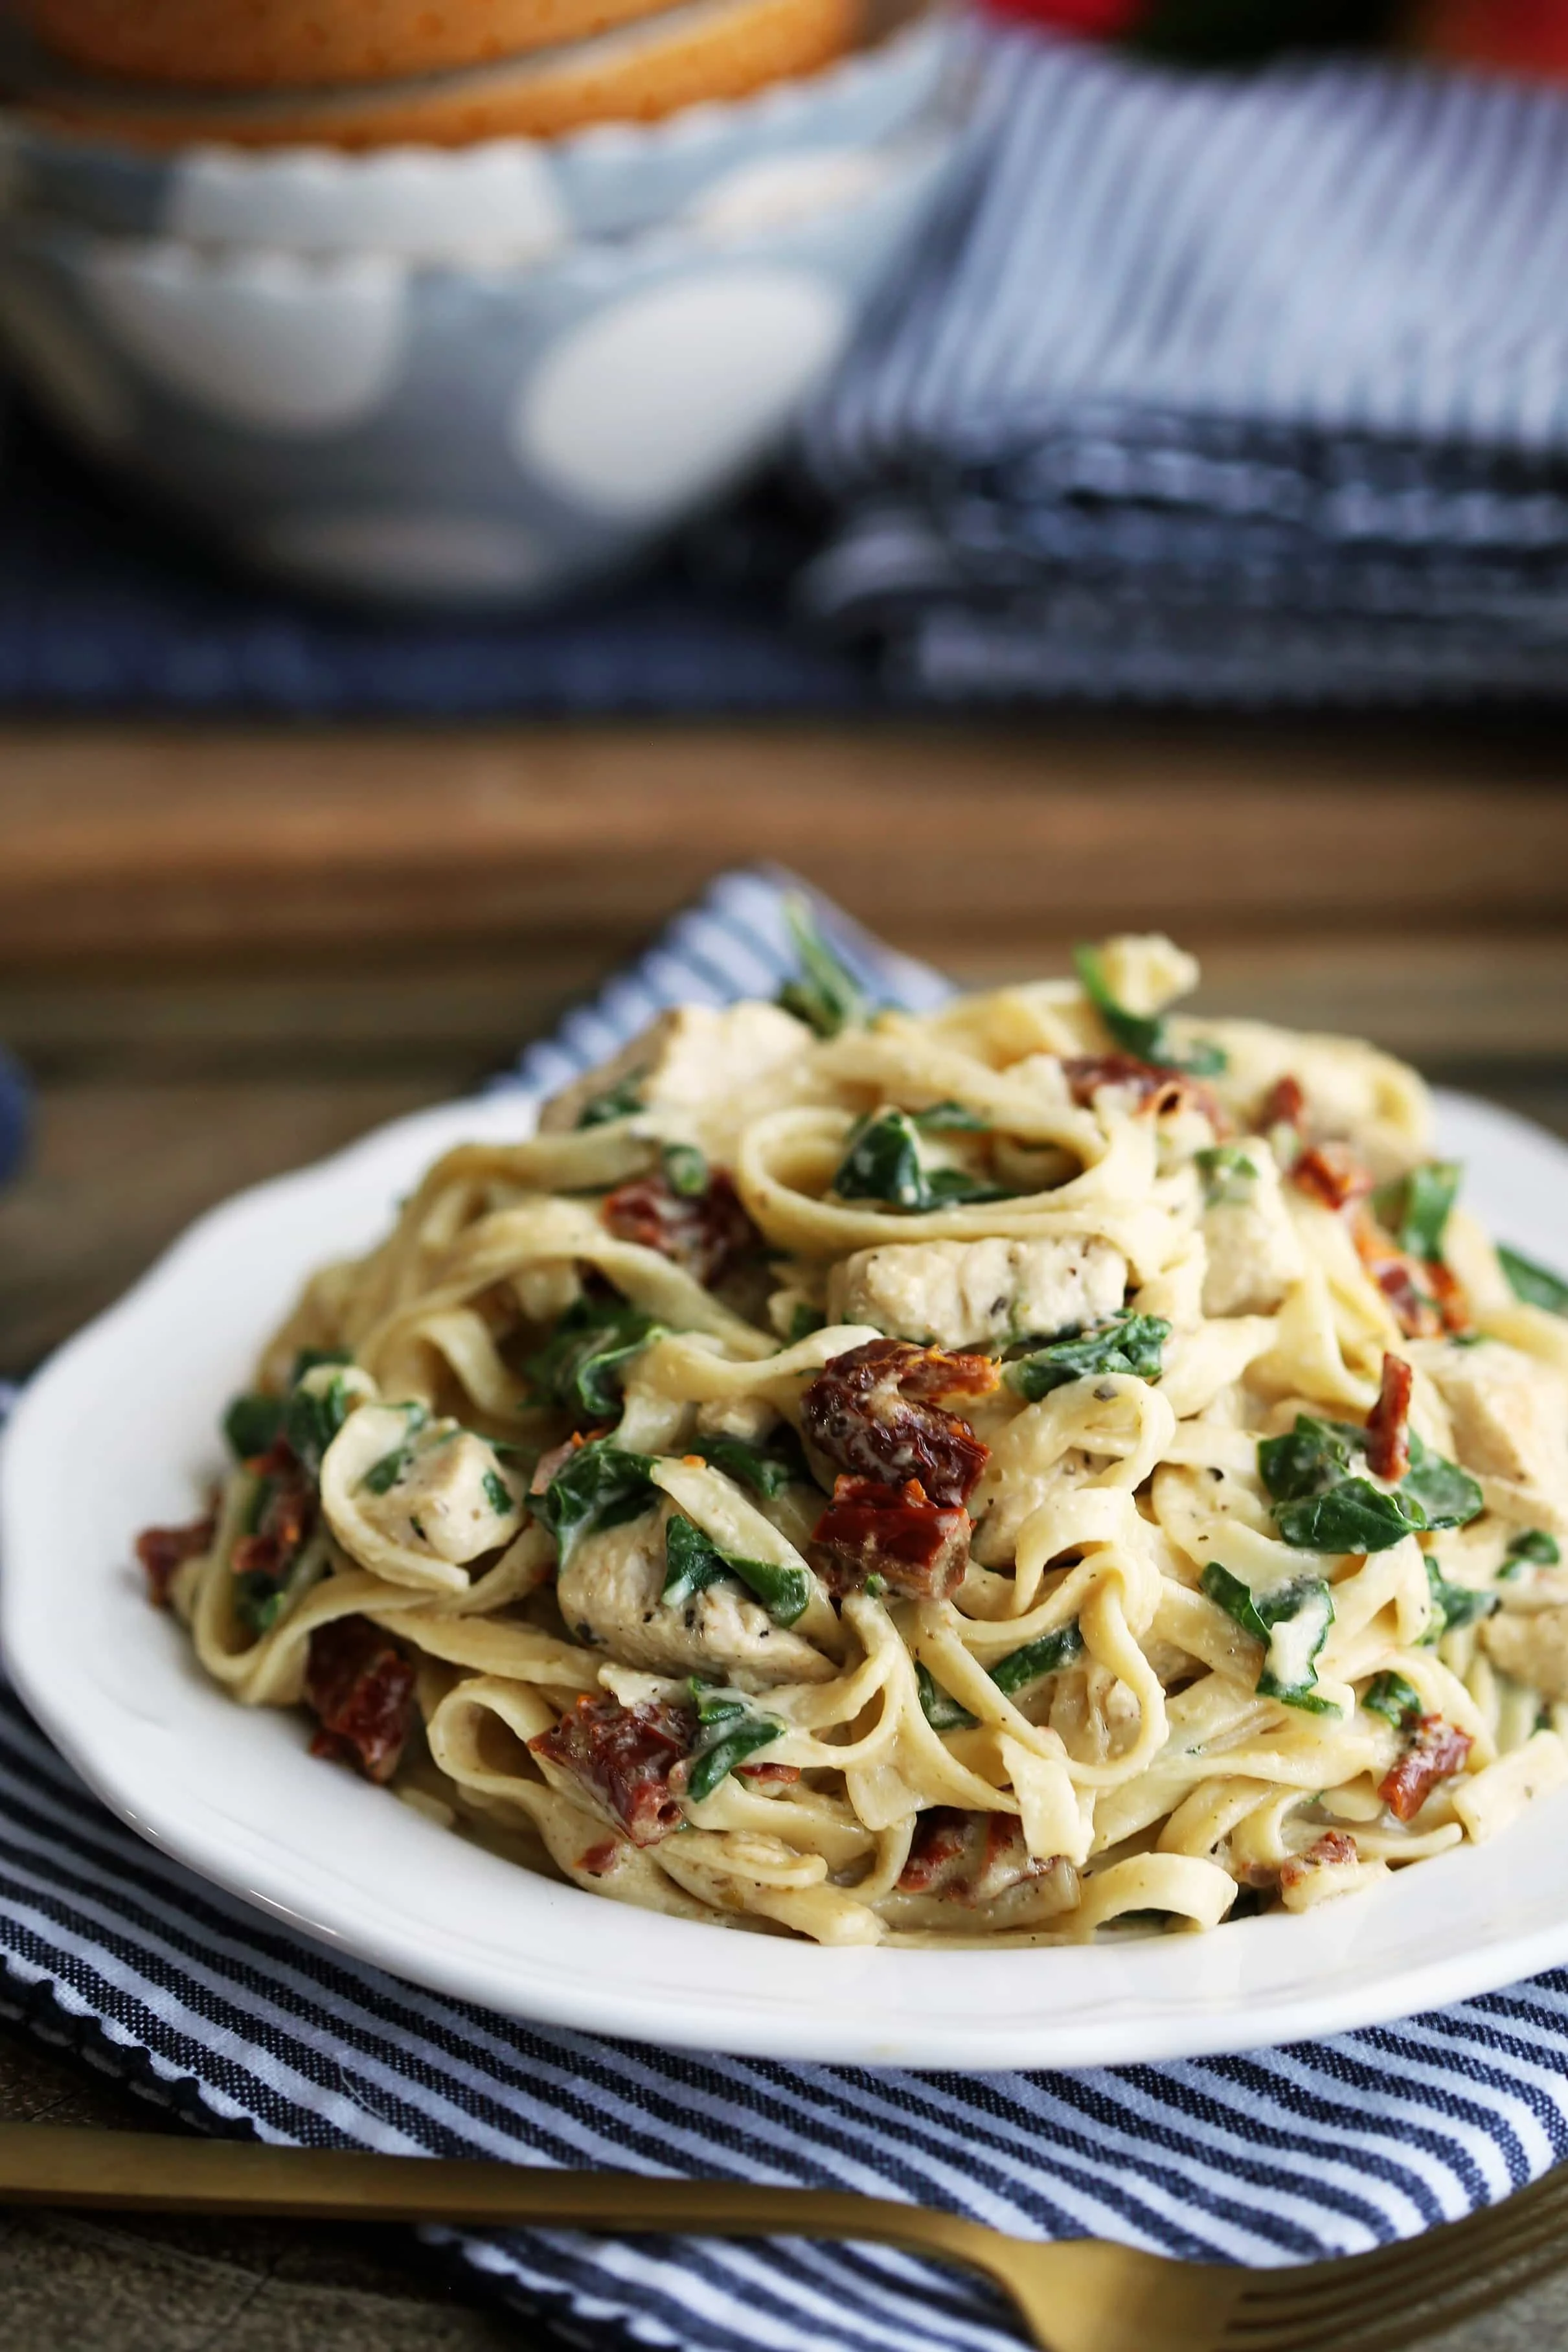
685	1171
941	1710
1536	1285
1124	1342
693	1561
826	996
583	1364
1414	1208
1141	1035
1292	1622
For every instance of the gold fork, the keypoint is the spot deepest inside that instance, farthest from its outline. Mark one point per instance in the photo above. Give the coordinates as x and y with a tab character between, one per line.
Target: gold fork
1083	2296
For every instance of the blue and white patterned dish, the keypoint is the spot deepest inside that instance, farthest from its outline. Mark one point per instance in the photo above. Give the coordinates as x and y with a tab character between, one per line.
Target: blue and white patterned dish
502	201
463	432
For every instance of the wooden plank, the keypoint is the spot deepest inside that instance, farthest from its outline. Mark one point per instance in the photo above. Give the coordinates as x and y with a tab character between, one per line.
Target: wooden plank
254	845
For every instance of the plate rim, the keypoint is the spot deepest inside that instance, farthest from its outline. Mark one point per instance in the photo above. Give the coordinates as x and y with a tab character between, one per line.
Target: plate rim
743	2017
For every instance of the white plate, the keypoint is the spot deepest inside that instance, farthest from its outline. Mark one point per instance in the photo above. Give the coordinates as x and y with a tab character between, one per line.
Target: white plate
118	1431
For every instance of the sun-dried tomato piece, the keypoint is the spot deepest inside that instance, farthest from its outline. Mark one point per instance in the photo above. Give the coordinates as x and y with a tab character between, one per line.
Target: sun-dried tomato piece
1388	1422
917	1547
967	1857
621	1758
1332	1174
361	1687
708	1233
872	1410
1284	1104
162	1551
1158	1088
289	1508
1435	1750
1334	1848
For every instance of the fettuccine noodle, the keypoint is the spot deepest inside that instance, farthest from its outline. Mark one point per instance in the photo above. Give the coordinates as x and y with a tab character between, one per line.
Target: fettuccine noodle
1045	1467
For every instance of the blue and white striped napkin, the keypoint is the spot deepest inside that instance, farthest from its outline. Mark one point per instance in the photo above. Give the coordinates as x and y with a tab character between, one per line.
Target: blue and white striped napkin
205	2004
1218	386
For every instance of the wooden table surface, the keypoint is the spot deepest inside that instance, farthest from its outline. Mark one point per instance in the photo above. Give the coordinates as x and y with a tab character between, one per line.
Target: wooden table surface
222	953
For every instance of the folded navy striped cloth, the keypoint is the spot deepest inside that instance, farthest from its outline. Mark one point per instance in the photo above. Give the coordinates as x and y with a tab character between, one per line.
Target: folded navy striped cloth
1218	386
207	2005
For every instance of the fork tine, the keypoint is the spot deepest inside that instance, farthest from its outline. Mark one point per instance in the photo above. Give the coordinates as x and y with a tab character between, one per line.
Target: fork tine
1357	2299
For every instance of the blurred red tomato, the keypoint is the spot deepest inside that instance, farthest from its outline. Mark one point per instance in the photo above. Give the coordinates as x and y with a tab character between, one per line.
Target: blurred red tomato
1521	36
1091	20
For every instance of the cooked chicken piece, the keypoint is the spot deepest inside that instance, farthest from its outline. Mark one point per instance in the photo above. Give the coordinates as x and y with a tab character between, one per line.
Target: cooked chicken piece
610	1594
977	1293
1510	1415
447	1494
693	1057
1532	1646
1254	1250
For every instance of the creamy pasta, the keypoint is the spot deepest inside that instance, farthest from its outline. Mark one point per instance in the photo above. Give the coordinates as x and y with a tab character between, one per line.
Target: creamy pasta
1045	1467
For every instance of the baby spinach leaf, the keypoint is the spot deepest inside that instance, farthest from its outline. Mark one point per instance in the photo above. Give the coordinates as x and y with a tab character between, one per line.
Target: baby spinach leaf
1046	1656
694	1561
598	1485
729	1729
766	1470
583	1363
498	1494
1394	1698
1309	1458
1414	1208
1456	1604
1356	1515
1292	1622
1449	1495
1532	1548
1124	1342
619	1101
252	1424
382	1475
884	1164
1143	1034
1537	1285
941	1710
950	1119
312	1418
826	995
804	1320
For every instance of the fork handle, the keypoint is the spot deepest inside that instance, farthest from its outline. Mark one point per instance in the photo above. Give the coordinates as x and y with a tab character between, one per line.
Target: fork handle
50	2164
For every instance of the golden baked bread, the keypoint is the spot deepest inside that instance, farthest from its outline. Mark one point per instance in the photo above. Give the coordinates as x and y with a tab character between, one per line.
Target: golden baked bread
712	49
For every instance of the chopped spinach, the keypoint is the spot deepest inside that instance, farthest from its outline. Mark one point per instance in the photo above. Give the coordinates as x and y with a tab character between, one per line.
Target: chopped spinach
619	1101
311	1359
693	1561
950	1119
728	1730
884	1164
312	1418
583	1364
1414	1208
766	1470
1141	1035
382	1475
252	1424
1229	1176
685	1171
1532	1548
805	1320
1309	1458
826	996
498	1494
1353	1517
1292	1622
1124	1342
598	1485
941	1710
1035	1659
1449	1495
1396	1700
1536	1285
1454	1604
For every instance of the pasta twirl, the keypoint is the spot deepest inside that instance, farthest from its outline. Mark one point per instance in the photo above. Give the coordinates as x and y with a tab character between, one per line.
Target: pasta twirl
1046	1469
